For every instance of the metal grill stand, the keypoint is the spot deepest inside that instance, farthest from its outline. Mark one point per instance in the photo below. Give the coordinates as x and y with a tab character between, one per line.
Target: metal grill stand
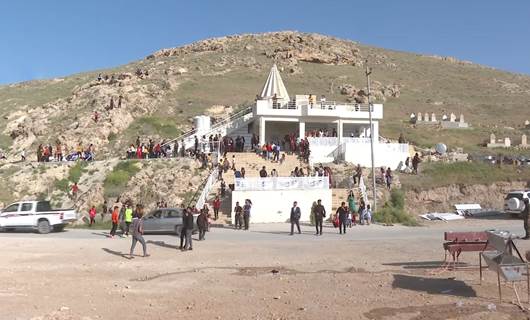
511	267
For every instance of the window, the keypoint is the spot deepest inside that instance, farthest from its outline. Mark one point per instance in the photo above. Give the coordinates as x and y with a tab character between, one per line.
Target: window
157	214
44	206
172	214
11	208
26	207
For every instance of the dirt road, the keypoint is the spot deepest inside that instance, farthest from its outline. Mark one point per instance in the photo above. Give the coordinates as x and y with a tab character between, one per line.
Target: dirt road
372	272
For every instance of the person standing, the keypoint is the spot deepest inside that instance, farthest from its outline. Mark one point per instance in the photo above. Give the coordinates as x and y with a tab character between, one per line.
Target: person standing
202	223
114	218
295	217
138	232
92	215
320	214
526	218
357	174
246	212
128	218
352	206
75	190
216	206
367	215
104	210
187	229
389	178
415	162
342	212
238	211
223	188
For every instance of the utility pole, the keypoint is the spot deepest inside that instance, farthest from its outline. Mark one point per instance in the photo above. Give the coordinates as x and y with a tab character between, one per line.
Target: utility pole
368	72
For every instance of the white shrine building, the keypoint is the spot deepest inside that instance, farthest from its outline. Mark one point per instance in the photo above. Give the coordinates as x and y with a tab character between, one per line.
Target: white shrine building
276	114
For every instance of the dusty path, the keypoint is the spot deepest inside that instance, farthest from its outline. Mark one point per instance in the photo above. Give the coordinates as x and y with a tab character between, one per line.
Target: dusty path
373	272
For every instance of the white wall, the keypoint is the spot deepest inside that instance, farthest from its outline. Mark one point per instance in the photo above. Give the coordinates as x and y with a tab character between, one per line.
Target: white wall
386	154
275	206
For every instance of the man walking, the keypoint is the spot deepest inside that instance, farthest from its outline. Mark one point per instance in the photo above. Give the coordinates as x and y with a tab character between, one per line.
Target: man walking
246	212
216	206
238	211
187	229
137	233
295	217
342	211
526	217
320	214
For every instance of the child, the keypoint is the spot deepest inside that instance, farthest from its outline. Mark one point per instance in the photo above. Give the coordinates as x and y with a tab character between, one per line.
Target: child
114	218
92	215
367	215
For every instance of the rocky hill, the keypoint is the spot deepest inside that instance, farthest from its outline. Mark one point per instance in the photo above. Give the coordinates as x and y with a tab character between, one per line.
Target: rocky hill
161	93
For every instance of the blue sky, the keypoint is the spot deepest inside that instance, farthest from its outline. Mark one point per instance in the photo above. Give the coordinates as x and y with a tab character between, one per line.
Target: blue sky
45	39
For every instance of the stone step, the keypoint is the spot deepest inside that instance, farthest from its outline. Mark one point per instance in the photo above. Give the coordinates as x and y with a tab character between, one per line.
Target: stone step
253	163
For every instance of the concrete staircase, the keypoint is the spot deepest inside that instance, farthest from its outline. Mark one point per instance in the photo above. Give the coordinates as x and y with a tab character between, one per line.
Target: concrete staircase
253	164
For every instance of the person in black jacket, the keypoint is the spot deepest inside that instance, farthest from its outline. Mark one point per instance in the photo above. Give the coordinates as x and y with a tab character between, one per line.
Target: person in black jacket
295	217
320	214
202	223
342	211
187	229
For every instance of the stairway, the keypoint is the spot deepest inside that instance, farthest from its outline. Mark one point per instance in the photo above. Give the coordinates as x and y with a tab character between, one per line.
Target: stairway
253	164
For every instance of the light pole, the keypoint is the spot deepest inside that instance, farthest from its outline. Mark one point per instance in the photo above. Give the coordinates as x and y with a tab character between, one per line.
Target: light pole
368	73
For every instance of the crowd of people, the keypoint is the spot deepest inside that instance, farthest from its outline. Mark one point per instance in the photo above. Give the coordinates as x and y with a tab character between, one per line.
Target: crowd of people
48	153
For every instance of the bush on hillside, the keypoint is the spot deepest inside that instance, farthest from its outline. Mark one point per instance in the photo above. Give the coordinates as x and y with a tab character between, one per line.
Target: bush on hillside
76	171
393	210
117	180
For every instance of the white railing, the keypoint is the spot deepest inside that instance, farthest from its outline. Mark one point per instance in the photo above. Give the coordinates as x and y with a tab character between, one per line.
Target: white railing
203	198
322	105
281	183
333	141
232	122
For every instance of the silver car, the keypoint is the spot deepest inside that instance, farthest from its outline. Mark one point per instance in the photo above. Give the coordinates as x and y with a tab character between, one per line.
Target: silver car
166	220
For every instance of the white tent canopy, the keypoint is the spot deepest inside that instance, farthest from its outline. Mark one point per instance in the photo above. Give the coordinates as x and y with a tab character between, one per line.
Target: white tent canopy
274	86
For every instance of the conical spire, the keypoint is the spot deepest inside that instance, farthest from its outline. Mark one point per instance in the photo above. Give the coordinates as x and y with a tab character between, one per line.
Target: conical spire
274	85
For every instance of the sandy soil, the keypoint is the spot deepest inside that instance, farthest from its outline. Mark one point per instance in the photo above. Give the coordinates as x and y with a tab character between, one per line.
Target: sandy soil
373	272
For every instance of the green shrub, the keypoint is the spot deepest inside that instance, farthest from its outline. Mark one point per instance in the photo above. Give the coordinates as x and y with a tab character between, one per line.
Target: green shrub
76	171
63	184
393	211
117	180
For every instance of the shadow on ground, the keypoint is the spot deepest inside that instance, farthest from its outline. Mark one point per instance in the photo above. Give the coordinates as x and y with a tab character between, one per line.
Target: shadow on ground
433	285
117	253
422	264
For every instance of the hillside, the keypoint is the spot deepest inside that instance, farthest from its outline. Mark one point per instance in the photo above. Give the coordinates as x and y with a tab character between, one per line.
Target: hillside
175	84
186	81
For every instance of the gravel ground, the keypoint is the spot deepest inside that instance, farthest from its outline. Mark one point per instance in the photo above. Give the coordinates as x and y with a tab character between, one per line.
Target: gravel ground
372	272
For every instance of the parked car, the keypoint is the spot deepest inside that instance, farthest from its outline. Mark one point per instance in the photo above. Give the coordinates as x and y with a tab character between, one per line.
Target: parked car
36	215
166	220
513	203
